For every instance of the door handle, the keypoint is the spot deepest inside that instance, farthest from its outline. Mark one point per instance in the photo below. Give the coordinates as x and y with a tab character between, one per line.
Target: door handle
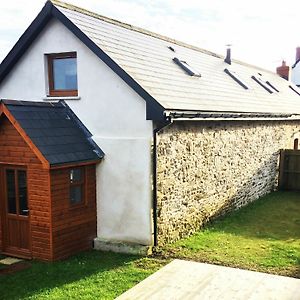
25	210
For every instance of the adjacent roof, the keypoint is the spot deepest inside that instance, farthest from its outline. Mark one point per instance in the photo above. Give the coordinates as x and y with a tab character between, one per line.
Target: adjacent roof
295	64
55	131
145	61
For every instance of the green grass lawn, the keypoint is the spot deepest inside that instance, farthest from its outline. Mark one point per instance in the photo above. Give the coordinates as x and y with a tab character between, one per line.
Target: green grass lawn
264	236
90	275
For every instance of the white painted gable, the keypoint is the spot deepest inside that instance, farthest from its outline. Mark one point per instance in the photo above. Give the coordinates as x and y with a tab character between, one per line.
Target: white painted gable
115	115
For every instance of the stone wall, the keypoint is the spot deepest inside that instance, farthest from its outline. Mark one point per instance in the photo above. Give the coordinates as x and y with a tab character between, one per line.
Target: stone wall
205	169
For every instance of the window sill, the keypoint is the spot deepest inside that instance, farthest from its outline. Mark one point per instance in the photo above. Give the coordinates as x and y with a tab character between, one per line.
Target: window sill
57	98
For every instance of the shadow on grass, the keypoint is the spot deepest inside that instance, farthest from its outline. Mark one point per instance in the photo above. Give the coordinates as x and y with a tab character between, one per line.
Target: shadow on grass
273	217
43	277
263	236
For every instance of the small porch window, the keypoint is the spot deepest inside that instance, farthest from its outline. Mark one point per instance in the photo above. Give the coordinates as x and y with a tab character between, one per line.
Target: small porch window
62	74
77	184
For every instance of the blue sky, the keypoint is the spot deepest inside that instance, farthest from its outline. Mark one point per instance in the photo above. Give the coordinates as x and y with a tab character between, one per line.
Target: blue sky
261	32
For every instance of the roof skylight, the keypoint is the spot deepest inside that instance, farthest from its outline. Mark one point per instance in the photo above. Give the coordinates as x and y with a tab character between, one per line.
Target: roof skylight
272	86
186	67
293	89
171	48
269	84
236	78
263	84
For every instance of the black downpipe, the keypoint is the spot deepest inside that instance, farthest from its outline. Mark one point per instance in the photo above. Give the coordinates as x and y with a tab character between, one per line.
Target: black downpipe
154	171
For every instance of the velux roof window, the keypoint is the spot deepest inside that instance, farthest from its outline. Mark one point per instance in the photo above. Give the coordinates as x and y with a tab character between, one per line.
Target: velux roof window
186	67
265	84
295	90
272	86
171	48
236	78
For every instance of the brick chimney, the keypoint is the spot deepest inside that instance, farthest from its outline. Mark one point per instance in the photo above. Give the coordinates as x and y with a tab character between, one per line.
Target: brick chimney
297	54
284	70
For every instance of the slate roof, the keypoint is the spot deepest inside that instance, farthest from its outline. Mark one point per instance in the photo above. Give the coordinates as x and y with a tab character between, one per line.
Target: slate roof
146	57
145	61
55	131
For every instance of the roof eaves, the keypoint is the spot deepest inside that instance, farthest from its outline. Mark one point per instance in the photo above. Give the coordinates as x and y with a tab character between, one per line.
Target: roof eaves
30	103
74	163
209	115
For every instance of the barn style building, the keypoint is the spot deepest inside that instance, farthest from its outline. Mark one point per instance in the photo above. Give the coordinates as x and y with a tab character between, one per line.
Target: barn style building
188	135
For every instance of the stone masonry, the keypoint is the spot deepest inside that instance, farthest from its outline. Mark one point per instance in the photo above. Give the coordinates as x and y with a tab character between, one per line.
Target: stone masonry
205	169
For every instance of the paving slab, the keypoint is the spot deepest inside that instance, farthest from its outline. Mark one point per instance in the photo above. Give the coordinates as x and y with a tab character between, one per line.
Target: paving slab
192	280
9	261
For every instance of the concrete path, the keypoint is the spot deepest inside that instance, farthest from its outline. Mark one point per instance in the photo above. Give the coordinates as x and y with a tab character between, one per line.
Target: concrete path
191	280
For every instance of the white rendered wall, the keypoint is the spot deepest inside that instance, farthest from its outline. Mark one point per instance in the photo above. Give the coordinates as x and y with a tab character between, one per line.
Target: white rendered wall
295	74
115	115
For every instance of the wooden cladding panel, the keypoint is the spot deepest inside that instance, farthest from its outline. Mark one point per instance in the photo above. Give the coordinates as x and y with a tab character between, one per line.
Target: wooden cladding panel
73	226
57	229
15	151
40	212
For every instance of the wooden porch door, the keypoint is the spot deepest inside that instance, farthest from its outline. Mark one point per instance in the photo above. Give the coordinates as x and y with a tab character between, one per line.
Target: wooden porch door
15	212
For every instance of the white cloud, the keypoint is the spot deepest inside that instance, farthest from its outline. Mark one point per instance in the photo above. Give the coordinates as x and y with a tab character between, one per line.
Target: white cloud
262	32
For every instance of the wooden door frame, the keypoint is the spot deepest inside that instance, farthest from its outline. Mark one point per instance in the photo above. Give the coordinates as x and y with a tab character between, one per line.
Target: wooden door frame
19	252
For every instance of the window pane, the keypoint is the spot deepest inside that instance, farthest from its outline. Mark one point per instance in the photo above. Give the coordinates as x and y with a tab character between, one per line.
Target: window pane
65	74
22	185
11	191
75	194
75	175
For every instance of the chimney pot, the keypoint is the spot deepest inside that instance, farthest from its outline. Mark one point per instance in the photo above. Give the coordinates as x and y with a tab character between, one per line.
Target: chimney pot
228	56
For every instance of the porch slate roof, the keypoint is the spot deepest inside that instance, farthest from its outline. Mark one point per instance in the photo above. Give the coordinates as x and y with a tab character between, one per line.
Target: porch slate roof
55	131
